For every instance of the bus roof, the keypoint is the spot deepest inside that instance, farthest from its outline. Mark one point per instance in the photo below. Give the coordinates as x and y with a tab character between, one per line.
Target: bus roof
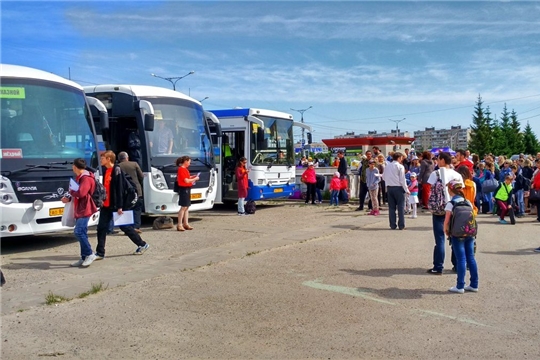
139	91
240	112
17	71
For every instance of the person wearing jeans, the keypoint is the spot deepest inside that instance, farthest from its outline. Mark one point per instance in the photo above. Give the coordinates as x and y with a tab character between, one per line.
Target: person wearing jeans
446	174
84	207
396	188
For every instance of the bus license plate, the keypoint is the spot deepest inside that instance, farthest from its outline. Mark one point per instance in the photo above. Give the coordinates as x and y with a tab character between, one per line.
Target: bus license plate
278	190
196	196
56	211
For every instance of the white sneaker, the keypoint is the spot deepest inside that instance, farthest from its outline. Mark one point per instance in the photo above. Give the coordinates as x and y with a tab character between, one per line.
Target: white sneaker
456	290
469	288
413	216
88	260
78	263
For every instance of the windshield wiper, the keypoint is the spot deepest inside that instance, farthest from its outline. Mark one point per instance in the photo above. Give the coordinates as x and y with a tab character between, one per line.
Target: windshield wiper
31	167
207	164
161	167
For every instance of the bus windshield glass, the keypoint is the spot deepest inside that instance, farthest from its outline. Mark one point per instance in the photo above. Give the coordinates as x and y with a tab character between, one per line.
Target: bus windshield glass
179	130
41	119
274	144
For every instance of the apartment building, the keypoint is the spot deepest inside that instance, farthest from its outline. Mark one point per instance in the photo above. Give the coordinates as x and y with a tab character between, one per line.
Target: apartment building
455	138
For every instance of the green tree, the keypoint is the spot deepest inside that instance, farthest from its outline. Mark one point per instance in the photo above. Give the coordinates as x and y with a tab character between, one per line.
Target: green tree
480	131
515	136
530	141
506	130
498	142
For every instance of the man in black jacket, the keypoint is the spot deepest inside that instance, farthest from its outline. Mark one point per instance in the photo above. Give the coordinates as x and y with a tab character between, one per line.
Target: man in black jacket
112	181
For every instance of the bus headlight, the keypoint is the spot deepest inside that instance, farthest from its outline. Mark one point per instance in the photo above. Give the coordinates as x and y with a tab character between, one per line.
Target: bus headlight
7	194
158	179
37	205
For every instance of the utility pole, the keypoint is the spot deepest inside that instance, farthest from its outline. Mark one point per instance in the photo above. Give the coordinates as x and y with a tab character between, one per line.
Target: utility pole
302	111
397	131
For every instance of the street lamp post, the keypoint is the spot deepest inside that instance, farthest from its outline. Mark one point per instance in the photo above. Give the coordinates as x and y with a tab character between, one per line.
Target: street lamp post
173	80
302	111
397	128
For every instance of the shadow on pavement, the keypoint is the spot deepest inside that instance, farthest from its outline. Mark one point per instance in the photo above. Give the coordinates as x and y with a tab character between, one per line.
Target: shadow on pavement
387	272
397	293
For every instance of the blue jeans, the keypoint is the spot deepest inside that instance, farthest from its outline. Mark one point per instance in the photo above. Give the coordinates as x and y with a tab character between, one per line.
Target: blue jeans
396	201
241	208
334	200
464	251
438	250
319	194
81	232
520	202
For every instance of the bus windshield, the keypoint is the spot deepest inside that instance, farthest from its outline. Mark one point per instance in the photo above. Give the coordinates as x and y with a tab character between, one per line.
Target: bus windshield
276	146
41	119
179	130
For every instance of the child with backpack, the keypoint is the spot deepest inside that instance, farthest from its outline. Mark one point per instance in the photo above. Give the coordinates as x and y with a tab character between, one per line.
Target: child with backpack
460	226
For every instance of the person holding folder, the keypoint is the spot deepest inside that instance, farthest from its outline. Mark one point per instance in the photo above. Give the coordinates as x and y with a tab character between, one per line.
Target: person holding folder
112	181
185	181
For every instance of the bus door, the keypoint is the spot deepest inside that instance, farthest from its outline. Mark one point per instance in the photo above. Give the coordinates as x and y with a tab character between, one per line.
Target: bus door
232	149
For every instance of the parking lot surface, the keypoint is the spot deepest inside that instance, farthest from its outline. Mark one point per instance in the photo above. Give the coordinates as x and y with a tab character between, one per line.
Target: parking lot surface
292	281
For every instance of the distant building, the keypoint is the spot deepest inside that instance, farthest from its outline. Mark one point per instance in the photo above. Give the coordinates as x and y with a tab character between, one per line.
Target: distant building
455	138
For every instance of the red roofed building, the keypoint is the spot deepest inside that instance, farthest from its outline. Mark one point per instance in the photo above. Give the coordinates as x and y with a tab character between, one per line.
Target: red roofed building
354	144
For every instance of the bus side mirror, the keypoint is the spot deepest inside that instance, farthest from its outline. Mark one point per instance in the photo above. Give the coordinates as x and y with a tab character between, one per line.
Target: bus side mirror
309	138
104	121
149	122
260	135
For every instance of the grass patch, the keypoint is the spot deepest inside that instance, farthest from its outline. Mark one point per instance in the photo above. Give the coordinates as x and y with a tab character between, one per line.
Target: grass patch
94	290
52	298
252	253
21	310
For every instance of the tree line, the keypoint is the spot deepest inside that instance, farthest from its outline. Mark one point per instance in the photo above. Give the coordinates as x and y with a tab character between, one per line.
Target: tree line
502	136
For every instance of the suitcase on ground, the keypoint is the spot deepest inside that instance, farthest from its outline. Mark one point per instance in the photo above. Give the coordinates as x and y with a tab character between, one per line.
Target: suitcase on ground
512	216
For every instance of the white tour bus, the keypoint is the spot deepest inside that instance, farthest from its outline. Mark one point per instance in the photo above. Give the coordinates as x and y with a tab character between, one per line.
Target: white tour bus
265	139
180	129
46	122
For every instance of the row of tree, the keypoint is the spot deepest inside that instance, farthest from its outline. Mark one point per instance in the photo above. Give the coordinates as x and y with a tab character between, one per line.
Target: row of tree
501	136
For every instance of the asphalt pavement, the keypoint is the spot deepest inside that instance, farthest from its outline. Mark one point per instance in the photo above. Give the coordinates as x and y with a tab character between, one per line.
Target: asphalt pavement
292	281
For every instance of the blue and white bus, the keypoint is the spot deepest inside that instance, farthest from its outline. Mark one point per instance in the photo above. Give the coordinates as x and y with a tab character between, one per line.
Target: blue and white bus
45	124
180	129
265	139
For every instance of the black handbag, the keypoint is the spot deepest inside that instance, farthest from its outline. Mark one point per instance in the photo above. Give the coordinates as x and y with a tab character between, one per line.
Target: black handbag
176	187
534	195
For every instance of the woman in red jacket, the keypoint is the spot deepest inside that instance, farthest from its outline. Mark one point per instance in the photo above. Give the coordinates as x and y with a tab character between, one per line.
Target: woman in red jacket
242	180
310	179
84	207
185	182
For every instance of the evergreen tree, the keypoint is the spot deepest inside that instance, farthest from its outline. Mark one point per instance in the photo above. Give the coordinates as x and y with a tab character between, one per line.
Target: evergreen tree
506	130
515	137
480	131
498	142
530	142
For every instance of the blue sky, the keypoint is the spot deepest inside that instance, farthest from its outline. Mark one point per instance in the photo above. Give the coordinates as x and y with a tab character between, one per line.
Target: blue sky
358	64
